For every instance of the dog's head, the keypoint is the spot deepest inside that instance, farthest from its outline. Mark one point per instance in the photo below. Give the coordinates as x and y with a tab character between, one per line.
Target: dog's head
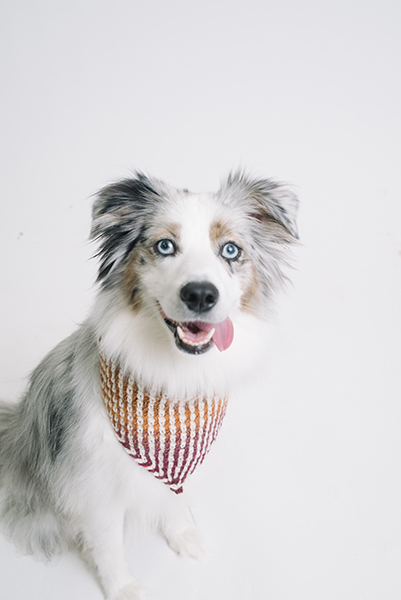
195	259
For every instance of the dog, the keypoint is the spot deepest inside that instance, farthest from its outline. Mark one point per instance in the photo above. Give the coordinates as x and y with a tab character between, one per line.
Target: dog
185	282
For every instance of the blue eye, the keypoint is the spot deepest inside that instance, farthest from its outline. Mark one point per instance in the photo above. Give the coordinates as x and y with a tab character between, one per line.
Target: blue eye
165	247
230	251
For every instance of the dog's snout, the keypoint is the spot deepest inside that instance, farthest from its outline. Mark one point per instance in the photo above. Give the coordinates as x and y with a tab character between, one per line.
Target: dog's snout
199	296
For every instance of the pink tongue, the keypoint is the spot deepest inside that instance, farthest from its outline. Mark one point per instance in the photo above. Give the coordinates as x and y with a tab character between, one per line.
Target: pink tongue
223	335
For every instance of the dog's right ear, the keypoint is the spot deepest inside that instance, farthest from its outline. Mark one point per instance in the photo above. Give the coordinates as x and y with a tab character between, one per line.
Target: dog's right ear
119	216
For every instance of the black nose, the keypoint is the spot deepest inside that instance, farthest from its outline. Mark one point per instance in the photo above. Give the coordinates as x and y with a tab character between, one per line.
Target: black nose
199	296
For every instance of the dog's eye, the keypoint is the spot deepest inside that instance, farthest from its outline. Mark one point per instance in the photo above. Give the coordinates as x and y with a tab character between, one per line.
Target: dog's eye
165	247
230	251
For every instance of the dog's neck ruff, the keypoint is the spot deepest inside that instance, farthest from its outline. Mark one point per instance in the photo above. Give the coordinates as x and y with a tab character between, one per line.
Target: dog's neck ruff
170	439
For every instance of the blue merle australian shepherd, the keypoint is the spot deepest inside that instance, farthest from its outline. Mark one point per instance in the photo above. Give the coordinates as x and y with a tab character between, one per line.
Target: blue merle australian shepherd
119	413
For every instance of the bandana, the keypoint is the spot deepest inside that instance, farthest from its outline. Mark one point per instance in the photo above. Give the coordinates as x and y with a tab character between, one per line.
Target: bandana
169	438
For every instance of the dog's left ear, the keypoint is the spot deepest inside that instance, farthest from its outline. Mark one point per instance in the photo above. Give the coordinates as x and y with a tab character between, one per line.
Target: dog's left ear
268	201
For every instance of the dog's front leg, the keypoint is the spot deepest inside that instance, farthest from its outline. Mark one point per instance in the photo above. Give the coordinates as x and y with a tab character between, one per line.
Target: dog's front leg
179	530
103	545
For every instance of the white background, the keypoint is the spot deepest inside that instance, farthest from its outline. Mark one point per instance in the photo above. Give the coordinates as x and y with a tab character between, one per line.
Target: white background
300	498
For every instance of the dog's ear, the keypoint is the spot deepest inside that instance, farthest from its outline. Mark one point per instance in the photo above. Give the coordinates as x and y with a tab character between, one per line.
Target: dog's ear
265	200
119	215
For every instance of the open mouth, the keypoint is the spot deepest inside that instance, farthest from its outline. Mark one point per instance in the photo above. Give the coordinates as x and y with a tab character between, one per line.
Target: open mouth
197	337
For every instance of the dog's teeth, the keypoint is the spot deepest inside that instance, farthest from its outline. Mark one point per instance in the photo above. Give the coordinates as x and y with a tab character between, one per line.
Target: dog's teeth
204	340
210	334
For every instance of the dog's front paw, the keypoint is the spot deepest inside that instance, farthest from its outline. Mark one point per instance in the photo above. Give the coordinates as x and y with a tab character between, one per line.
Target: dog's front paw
131	591
188	542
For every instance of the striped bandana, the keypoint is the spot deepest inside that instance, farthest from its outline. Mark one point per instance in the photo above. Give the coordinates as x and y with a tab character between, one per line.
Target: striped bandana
168	438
